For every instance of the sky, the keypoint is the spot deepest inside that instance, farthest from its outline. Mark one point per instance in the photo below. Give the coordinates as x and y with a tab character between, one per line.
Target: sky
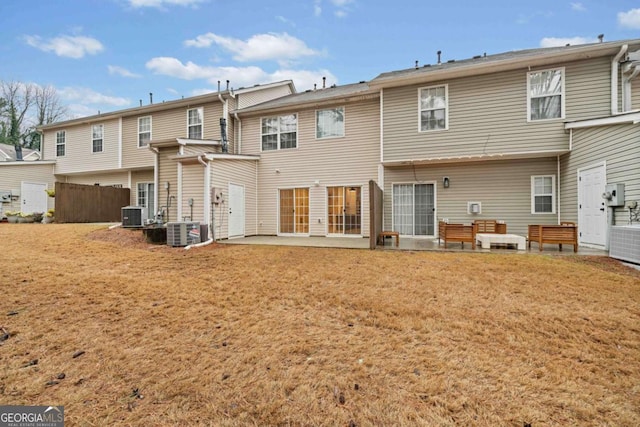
107	55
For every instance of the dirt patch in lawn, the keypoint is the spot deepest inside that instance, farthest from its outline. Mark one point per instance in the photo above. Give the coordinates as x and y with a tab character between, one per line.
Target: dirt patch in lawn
122	332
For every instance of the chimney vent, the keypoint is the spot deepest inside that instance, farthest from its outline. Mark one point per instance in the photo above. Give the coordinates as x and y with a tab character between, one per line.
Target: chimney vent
439	53
601	37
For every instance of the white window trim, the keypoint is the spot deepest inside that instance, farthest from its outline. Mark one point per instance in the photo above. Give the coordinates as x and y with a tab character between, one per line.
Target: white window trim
64	143
446	108
344	119
562	95
533	194
95	139
150	129
279	148
201	124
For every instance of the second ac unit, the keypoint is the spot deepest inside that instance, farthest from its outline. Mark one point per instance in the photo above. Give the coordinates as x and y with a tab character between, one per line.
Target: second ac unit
183	233
133	216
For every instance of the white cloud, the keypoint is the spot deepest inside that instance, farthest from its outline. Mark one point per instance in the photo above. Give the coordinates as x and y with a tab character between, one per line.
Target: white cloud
89	96
577	6
120	71
317	8
238	76
260	47
563	41
340	13
630	19
160	4
68	46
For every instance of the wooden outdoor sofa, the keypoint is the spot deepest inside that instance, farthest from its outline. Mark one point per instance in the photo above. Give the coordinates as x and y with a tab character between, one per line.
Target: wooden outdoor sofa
566	233
457	233
490	226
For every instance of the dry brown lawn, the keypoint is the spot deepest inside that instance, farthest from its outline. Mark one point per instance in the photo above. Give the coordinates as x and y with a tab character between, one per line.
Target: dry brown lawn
125	333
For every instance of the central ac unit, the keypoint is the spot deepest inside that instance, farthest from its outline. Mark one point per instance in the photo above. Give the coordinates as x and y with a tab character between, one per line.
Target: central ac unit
183	233
624	243
133	216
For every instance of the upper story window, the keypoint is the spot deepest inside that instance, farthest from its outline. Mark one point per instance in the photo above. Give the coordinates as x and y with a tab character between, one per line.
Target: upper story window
330	123
194	123
144	131
97	145
434	108
280	132
543	194
545	94
61	143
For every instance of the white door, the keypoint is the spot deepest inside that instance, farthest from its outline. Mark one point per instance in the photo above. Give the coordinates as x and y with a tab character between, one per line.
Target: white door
592	211
236	210
34	198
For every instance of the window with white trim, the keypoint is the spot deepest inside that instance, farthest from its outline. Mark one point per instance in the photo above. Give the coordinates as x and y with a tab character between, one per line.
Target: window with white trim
330	123
61	143
97	145
433	107
195	118
144	131
279	133
543	194
545	94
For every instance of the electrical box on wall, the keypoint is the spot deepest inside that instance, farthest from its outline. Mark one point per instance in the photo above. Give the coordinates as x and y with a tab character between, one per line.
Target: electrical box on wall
216	195
614	194
474	208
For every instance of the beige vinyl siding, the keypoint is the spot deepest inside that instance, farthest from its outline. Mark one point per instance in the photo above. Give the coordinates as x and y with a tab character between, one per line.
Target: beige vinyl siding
132	155
137	177
13	174
619	147
635	94
199	149
239	172
351	160
193	187
502	187
256	97
168	172
79	156
488	114
103	179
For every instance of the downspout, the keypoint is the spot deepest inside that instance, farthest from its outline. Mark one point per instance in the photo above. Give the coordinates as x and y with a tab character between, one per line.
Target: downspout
239	149
558	202
207	203
225	115
156	186
615	66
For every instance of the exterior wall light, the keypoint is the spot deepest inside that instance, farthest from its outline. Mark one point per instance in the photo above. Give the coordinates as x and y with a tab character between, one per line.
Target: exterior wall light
445	182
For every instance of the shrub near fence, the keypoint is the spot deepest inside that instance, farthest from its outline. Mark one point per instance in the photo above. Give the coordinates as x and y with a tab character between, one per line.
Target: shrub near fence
89	203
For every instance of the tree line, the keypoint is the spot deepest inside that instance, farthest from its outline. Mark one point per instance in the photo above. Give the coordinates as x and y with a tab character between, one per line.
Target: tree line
24	107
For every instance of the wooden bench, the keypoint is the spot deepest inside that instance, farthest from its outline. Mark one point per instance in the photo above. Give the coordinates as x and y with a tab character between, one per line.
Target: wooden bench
554	234
385	234
490	226
457	233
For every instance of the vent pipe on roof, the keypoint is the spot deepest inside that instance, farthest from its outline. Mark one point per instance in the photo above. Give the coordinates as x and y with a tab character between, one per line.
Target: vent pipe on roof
227	85
18	149
150	98
416	64
314	86
324	82
141	102
218	86
601	37
439	53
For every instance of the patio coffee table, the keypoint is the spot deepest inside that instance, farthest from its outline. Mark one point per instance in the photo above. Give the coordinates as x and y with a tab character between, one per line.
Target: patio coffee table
488	239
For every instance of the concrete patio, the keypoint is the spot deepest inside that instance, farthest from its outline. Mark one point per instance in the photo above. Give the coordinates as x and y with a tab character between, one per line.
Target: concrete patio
406	244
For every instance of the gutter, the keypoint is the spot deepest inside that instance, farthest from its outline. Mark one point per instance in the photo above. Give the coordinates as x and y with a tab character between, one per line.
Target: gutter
239	149
615	66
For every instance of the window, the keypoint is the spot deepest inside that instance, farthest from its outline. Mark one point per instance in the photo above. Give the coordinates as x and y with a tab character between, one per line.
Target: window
434	108
96	138
543	194
545	94
330	123
194	123
144	131
61	143
279	133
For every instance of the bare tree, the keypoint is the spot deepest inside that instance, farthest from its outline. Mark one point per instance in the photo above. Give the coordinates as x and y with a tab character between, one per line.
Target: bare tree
48	107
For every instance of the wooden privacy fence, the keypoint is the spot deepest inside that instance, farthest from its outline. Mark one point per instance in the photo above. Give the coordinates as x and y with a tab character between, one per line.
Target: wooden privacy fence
375	213
89	203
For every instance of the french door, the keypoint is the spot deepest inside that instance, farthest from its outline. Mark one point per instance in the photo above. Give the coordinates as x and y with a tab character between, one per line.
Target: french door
344	210
294	211
146	198
414	209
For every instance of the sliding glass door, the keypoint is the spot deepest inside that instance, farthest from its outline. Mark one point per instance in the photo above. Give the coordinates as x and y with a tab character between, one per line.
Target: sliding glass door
414	209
